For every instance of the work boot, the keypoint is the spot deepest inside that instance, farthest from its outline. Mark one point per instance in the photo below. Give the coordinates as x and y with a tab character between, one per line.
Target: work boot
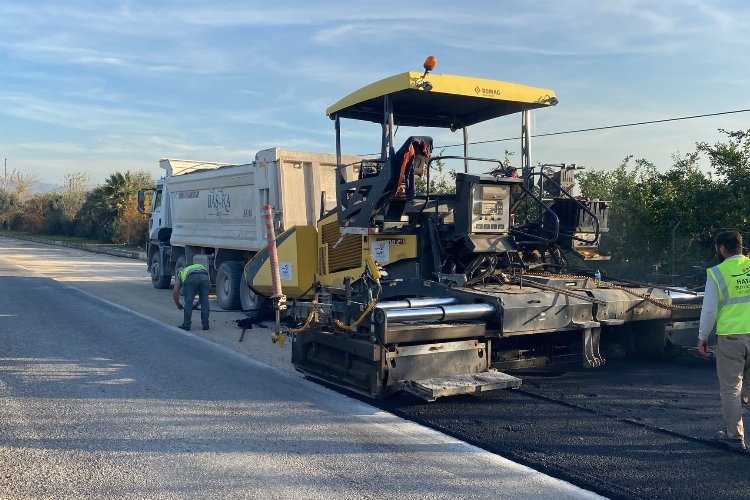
205	326
184	327
735	444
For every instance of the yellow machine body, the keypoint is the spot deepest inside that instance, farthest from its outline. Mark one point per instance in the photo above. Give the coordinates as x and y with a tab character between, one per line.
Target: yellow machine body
338	256
297	263
344	255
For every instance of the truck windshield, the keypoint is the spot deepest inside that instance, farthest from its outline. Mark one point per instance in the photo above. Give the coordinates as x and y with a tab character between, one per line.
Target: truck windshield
156	204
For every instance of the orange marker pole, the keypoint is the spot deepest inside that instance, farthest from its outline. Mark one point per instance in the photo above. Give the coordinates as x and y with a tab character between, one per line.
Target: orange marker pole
273	257
279	300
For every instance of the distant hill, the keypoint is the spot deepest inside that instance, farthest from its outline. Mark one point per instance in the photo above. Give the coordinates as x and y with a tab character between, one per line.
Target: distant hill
45	187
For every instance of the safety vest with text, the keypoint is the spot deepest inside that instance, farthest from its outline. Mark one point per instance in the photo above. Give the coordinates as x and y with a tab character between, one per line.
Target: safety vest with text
187	270
732	278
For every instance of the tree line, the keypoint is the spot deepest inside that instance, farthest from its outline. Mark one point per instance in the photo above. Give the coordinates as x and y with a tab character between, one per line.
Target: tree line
106	213
665	221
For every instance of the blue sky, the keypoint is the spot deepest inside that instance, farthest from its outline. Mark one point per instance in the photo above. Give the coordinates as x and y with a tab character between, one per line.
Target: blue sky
99	86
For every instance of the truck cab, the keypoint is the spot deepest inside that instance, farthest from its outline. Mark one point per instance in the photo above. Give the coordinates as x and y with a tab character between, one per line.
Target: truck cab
159	232
159	223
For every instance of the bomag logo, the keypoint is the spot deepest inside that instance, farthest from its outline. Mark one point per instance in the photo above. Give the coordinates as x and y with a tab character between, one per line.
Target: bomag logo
485	91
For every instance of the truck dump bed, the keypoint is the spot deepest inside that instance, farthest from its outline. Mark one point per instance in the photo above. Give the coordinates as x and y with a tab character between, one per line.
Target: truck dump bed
216	205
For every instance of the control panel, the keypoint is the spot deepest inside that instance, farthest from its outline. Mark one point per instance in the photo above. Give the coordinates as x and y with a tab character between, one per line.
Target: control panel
490	208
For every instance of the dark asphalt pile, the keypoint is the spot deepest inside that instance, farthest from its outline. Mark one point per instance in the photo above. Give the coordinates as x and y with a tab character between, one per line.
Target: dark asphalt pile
628	430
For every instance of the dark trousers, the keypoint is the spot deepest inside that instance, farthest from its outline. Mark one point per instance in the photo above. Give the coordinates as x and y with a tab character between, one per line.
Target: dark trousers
196	283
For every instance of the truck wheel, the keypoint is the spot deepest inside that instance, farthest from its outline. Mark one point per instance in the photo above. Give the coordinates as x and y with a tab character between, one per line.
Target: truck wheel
253	305
228	281
157	279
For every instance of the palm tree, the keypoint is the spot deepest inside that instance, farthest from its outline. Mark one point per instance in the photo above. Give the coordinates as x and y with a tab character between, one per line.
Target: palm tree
117	188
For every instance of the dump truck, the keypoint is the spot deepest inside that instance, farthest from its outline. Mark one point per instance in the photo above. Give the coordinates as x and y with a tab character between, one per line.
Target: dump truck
436	294
211	213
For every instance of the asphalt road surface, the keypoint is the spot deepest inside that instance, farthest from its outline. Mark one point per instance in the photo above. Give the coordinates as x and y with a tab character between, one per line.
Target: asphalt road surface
628	430
127	282
97	401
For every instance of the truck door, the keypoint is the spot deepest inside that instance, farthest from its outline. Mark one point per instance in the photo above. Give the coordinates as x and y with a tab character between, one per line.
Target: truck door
155	222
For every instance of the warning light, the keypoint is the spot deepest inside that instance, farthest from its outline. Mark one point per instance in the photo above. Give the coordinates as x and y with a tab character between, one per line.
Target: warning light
429	64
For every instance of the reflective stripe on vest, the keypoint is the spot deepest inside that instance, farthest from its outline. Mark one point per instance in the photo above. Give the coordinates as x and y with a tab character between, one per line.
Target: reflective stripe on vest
732	278
188	269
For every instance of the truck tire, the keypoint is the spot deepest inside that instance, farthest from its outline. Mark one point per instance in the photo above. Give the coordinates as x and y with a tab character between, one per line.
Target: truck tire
253	305
157	279
228	281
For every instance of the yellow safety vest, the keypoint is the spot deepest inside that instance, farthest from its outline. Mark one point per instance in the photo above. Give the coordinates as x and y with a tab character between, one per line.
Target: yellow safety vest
188	269
732	278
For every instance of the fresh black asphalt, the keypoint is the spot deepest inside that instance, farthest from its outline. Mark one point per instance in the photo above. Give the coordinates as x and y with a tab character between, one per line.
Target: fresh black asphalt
631	429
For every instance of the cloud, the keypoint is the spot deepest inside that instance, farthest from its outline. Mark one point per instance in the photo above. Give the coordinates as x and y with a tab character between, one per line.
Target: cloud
369	33
52	147
268	118
300	13
294	142
187	58
72	115
199	39
142	80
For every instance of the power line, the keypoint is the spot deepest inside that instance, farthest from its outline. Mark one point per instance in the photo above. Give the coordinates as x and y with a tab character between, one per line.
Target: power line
622	125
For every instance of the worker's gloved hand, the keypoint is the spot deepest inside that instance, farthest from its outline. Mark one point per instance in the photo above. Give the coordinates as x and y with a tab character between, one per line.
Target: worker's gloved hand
180	307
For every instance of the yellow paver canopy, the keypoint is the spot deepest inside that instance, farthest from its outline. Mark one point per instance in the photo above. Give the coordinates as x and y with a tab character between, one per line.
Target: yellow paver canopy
453	101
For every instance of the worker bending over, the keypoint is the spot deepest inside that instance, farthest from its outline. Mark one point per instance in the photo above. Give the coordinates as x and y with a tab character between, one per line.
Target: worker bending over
193	279
726	306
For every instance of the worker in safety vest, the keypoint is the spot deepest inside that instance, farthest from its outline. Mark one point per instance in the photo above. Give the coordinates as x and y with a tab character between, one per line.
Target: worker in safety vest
726	307
193	279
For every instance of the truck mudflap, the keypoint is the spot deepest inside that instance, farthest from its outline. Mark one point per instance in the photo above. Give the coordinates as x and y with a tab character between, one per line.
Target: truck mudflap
432	388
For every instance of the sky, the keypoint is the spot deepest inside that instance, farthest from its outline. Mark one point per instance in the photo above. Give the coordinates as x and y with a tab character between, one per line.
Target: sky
101	86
